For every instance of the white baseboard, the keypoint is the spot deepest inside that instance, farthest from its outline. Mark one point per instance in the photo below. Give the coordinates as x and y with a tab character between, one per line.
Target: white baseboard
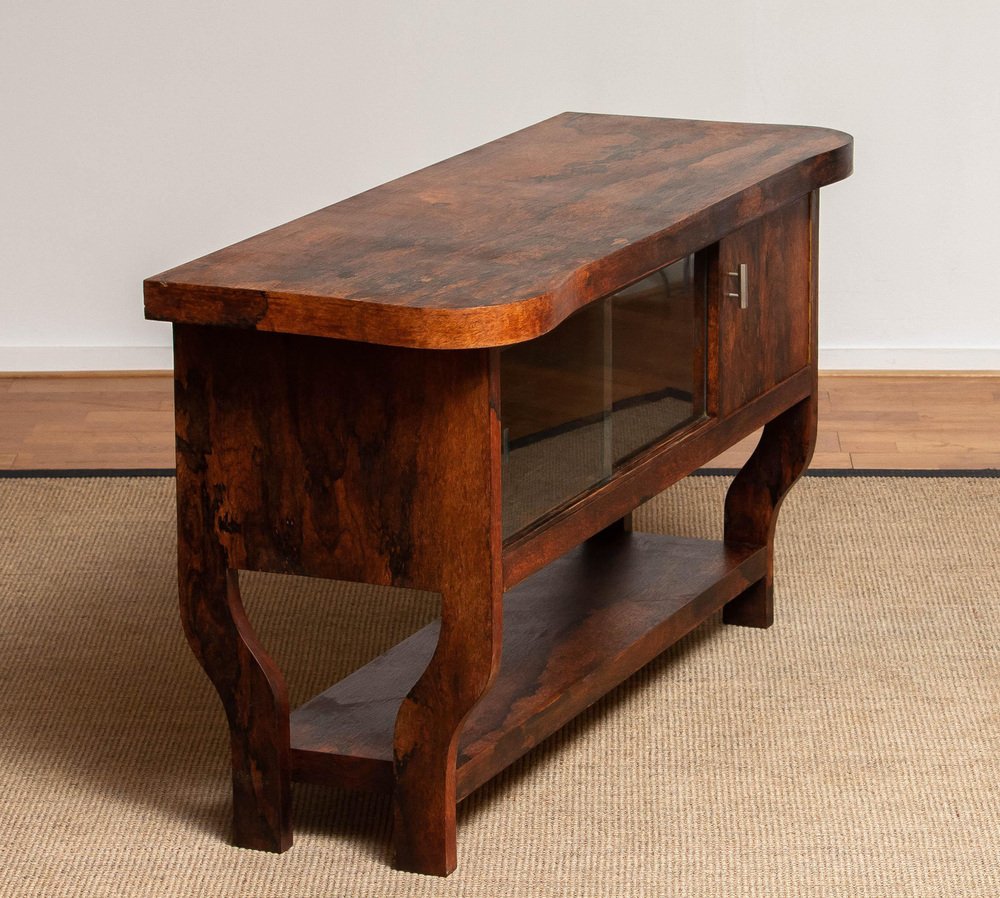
909	359
160	358
86	358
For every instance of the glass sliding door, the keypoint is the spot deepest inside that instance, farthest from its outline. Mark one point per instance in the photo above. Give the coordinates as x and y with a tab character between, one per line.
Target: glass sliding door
554	395
613	379
658	356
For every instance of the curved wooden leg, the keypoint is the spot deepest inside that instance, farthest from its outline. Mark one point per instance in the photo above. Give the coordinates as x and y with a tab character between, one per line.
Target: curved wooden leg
755	496
427	728
248	682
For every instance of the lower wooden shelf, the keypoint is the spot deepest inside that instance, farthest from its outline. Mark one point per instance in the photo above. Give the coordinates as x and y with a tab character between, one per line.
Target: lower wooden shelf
571	632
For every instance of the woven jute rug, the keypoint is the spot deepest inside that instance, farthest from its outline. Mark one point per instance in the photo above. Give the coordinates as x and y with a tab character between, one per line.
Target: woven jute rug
851	750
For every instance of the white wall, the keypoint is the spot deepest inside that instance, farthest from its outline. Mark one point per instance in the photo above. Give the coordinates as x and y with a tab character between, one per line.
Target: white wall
137	134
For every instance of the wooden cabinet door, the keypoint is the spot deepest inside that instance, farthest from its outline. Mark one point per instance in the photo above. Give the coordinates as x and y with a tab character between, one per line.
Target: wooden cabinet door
769	340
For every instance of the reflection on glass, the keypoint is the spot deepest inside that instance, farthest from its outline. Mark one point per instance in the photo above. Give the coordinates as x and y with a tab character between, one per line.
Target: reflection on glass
554	409
657	328
610	381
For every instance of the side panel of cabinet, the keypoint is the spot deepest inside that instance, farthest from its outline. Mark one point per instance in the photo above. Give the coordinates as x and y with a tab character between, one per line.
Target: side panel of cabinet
761	345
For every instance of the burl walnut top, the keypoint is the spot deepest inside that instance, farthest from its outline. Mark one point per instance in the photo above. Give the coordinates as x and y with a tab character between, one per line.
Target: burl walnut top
501	243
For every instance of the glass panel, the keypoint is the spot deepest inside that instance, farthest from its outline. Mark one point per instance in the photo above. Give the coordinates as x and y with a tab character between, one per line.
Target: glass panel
611	380
658	351
555	394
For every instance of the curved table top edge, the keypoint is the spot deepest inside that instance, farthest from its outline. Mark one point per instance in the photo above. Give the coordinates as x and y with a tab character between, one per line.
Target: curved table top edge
183	295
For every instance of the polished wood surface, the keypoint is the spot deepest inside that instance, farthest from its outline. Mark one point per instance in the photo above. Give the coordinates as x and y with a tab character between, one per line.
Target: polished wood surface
353	462
787	442
371	462
778	250
943	420
571	632
501	243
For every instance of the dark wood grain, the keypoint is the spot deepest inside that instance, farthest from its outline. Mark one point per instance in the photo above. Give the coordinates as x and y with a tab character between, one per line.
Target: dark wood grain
338	385
769	340
571	632
500	244
755	496
758	367
248	682
335	459
782	455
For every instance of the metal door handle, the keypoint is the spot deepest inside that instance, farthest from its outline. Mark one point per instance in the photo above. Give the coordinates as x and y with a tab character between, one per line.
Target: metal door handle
742	285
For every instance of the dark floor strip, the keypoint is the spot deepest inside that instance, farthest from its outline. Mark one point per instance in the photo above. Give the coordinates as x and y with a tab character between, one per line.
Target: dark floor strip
870	472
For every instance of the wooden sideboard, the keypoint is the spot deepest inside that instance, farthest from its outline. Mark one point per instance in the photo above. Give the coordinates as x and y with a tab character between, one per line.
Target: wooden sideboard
465	381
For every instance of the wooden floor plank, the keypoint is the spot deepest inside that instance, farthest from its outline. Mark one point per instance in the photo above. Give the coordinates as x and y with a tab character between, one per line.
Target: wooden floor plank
931	461
85	383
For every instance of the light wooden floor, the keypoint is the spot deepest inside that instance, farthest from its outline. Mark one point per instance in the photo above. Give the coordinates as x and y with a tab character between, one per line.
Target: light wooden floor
879	421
